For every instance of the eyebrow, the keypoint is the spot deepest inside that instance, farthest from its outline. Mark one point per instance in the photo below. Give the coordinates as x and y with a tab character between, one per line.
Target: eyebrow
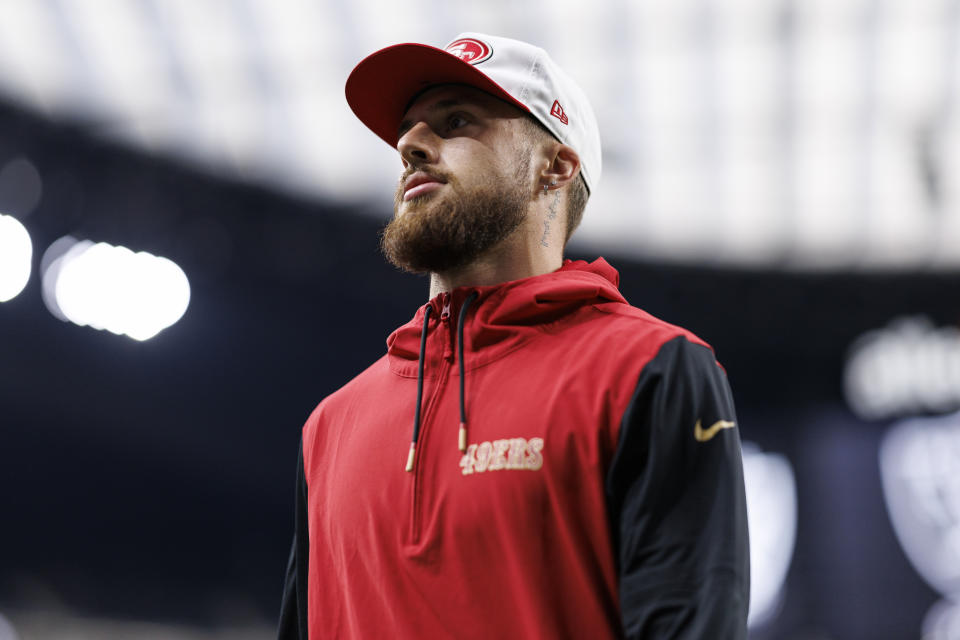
407	124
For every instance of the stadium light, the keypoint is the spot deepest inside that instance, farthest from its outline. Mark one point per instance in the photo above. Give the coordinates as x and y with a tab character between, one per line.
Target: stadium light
113	288
16	253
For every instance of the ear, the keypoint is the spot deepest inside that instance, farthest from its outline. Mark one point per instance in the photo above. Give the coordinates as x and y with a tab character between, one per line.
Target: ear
563	167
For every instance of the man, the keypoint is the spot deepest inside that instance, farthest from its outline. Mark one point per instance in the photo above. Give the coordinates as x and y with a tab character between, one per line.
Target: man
532	457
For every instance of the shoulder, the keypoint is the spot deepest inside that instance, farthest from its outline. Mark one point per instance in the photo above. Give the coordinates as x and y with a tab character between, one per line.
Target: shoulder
345	399
617	349
632	319
633	333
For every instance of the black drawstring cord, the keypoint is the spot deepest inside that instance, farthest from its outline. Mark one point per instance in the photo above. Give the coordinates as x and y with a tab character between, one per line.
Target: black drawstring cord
416	414
462	438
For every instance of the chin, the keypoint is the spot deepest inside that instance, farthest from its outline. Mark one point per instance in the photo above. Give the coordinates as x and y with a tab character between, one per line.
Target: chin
419	203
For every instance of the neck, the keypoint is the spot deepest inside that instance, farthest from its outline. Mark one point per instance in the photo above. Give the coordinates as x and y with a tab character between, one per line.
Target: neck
533	249
517	257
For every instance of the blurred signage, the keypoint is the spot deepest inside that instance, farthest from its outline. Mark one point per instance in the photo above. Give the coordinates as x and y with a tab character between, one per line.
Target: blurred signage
908	367
919	465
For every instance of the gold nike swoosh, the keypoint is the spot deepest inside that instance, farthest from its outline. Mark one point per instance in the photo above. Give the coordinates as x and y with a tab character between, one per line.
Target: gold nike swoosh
702	435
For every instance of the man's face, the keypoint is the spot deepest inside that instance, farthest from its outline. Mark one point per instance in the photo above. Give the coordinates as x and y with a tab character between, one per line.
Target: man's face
466	182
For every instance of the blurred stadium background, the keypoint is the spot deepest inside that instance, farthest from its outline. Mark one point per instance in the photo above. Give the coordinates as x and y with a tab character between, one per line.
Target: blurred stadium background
781	176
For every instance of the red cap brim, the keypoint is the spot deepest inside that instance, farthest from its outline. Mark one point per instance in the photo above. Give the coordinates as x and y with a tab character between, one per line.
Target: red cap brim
381	86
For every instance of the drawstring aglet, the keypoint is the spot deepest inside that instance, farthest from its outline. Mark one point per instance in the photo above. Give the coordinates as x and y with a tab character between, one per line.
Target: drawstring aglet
463	437
411	455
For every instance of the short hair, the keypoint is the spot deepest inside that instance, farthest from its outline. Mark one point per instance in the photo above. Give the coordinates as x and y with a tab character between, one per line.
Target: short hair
577	203
578	188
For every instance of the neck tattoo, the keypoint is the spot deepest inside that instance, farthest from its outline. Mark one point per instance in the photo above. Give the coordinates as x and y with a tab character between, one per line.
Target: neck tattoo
551	216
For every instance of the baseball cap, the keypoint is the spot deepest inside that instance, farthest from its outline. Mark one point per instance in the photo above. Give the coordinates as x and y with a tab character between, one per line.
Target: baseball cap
381	87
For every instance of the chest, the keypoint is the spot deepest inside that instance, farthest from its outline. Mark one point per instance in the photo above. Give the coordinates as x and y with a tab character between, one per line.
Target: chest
539	438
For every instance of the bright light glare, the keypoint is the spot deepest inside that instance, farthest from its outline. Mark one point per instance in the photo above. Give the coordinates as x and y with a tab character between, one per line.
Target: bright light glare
16	252
113	288
772	522
817	134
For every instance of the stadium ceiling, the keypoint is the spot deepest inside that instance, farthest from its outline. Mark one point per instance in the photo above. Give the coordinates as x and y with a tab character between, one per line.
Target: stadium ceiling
809	134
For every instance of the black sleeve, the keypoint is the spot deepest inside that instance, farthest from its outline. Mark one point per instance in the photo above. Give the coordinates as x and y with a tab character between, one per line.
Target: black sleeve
676	500
293	608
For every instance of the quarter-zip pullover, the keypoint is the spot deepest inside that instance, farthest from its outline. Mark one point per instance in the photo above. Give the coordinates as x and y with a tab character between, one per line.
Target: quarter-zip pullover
598	492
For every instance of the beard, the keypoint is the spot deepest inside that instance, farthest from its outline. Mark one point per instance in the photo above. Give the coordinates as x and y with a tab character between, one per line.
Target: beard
444	232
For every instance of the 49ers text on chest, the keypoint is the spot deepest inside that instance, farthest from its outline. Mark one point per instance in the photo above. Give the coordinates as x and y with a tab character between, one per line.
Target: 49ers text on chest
506	454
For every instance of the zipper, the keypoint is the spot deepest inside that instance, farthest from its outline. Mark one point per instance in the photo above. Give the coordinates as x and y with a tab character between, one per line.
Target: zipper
445	325
443	330
419	465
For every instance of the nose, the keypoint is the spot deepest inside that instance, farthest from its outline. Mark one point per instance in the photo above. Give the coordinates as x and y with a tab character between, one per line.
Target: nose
419	145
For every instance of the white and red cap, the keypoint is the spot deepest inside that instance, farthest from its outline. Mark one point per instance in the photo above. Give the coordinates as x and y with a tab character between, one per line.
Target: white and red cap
382	85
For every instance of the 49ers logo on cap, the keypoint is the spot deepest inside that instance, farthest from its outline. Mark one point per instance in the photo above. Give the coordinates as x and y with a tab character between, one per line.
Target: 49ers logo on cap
470	50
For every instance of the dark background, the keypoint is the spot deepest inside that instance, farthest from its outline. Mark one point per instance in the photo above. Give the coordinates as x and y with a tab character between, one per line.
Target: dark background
155	480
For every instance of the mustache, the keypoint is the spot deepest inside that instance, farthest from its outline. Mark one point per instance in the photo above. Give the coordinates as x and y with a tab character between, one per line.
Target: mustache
409	171
436	173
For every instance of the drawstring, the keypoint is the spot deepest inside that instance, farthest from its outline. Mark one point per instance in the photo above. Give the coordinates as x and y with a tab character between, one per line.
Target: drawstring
462	437
416	413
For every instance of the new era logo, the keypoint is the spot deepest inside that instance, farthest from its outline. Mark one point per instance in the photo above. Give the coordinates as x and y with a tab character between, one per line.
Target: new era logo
557	112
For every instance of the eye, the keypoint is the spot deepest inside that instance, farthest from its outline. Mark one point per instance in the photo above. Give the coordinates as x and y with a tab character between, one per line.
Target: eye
456	120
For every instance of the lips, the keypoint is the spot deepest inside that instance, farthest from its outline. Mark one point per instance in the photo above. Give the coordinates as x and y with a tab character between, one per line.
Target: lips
420	183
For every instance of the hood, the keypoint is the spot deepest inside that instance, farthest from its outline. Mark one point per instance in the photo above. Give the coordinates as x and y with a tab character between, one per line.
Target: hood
501	317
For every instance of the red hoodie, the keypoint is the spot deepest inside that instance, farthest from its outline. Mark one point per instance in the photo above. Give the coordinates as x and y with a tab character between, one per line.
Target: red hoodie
600	494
